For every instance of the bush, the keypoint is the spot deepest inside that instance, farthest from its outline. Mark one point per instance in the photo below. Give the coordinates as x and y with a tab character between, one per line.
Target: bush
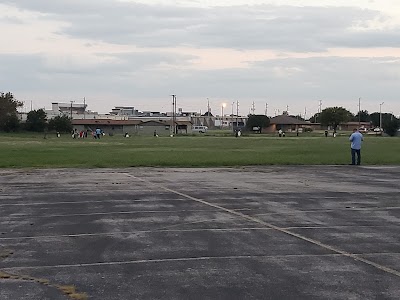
61	124
392	126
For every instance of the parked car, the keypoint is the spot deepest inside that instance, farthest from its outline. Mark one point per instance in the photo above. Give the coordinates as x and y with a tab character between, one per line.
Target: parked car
377	129
363	130
199	129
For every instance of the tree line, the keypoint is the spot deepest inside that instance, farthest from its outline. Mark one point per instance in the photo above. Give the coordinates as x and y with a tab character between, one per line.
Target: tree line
331	116
36	119
334	116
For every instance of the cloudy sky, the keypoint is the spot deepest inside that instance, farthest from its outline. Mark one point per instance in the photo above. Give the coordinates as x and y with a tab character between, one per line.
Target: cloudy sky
138	53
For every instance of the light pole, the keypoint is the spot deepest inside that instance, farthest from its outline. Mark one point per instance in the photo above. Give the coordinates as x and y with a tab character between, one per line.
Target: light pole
380	115
359	112
173	113
233	103
72	101
222	114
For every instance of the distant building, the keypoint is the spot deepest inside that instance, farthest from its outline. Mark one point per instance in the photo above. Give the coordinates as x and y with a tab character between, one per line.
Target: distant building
138	126
349	126
74	110
286	124
124	111
68	108
184	119
152	114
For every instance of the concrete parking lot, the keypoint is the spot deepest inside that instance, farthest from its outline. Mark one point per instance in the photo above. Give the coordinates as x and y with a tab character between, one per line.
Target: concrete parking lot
295	232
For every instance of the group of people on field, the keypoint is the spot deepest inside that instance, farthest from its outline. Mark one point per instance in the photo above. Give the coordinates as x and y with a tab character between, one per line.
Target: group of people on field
96	134
356	140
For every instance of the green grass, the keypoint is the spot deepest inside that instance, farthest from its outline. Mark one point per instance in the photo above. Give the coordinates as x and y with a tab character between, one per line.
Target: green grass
33	151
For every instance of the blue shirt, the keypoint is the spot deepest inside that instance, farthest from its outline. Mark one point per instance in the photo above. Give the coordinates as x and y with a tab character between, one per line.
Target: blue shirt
356	140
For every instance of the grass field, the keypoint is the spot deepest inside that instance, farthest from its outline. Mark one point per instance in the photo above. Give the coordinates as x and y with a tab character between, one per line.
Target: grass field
32	150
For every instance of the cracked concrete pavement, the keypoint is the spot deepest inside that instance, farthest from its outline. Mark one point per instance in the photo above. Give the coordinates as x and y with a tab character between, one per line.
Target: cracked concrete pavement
274	232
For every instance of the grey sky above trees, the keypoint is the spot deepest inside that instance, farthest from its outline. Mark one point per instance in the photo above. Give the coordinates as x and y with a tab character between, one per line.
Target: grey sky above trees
138	53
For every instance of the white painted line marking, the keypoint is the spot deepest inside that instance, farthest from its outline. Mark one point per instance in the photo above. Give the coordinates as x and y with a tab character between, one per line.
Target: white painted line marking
88	202
165	229
17	216
186	259
283	230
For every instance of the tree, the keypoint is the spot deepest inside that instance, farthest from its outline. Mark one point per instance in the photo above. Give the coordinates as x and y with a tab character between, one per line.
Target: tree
260	121
61	124
315	118
36	120
9	120
333	116
362	116
392	126
386	118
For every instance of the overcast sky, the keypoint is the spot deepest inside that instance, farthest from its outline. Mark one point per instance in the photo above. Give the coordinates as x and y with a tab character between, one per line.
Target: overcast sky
138	53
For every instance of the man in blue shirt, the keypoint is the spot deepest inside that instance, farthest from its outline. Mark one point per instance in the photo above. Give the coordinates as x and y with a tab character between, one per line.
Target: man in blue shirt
356	140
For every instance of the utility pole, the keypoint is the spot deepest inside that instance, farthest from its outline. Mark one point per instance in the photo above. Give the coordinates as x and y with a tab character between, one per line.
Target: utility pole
72	101
359	112
173	113
319	111
208	117
233	103
175	129
253	108
237	114
305	113
287	109
222	114
84	107
266	109
380	115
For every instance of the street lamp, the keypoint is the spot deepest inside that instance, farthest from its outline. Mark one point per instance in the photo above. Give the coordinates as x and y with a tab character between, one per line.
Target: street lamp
380	115
222	113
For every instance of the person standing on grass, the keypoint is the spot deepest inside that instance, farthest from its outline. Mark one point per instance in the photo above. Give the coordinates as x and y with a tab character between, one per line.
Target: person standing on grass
98	133
356	140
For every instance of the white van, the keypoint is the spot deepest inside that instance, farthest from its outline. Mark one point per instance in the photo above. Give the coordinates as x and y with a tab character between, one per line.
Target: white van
199	129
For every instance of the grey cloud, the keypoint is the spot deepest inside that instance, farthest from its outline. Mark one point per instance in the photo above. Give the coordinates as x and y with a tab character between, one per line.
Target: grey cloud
126	72
329	78
286	28
113	64
11	20
19	71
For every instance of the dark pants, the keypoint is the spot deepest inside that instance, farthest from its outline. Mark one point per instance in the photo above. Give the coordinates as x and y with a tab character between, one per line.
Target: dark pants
353	156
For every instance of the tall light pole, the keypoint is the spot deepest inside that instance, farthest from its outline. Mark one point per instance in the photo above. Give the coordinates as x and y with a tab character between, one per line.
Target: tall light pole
233	103
173	113
380	115
72	101
359	112
237	115
222	114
